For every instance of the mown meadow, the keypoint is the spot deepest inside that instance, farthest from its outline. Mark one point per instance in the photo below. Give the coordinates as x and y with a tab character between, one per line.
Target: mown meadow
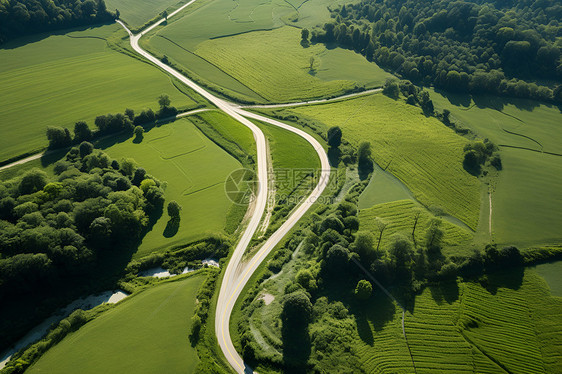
61	79
527	188
145	333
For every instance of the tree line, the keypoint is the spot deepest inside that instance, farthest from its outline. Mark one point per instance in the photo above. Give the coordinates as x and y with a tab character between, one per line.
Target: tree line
127	122
24	17
497	47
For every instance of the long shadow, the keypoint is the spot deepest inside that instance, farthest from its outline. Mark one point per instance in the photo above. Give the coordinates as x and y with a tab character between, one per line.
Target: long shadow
511	278
171	228
111	140
50	157
445	291
456	99
34	38
296	348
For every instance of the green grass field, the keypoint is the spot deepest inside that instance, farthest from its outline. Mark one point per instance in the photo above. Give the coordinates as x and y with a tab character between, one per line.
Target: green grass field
194	168
59	80
400	218
551	274
529	184
293	159
420	151
135	13
147	333
236	45
383	188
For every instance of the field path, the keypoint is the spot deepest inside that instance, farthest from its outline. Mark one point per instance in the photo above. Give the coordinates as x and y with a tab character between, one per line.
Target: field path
313	102
237	274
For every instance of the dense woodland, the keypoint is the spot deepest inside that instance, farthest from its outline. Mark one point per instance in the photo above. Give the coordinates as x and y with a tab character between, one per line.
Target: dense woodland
55	229
504	47
23	17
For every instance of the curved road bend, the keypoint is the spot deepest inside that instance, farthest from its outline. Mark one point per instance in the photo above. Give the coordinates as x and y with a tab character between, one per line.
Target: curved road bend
235	276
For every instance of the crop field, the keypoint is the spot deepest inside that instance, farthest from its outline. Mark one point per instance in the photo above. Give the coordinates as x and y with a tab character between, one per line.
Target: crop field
420	151
529	184
59	80
399	215
135	13
467	328
194	168
241	51
147	333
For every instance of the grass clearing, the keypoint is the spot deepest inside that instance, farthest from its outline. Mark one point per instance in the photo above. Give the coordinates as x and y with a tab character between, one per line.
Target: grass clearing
147	333
194	168
551	274
400	218
528	187
383	188
420	151
59	80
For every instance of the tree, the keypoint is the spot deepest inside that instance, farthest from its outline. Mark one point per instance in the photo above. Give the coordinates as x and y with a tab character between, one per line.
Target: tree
164	101
417	215
139	132
434	235
174	210
381	226
471	162
364	161
304	35
165	15
297	310
391	88
33	181
130	114
363	290
334	136
117	14
364	246
58	137
401	251
85	149
311	61
82	132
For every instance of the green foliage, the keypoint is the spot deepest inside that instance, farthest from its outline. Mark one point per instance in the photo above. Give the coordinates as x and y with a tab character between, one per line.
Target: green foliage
334	136
490	46
58	137
24	17
363	290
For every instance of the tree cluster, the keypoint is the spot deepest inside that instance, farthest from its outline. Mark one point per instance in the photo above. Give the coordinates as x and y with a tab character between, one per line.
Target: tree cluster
490	46
126	122
478	153
54	227
24	17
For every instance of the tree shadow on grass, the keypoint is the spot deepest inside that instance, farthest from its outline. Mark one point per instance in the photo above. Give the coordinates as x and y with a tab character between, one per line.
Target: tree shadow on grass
296	349
445	291
138	139
52	156
111	140
511	278
171	228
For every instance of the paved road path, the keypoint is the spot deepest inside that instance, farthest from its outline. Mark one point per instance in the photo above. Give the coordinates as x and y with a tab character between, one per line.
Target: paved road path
236	274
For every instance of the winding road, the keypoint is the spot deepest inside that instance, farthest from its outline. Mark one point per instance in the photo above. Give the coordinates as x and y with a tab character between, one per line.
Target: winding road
237	273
